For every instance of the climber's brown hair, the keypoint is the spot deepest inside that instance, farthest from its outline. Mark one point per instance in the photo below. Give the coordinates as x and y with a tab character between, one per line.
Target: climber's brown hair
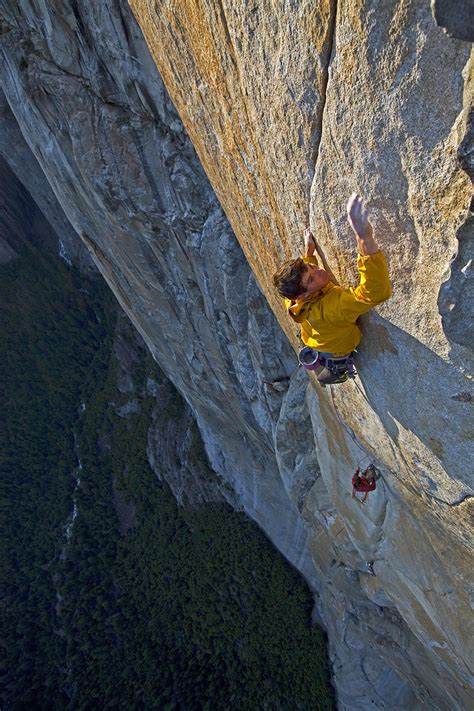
287	279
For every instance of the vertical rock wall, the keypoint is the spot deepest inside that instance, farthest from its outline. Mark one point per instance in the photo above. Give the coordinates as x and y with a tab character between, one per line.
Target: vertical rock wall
254	87
390	94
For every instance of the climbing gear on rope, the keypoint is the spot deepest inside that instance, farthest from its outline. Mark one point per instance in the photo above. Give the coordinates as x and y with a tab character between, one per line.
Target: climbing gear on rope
329	369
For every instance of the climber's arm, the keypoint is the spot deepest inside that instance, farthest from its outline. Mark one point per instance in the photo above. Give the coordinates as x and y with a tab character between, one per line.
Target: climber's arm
374	285
312	246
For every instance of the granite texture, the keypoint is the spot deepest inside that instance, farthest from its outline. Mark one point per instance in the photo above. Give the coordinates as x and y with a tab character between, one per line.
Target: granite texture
289	109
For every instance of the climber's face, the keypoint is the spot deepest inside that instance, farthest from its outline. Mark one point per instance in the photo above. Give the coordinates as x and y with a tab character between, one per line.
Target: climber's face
313	280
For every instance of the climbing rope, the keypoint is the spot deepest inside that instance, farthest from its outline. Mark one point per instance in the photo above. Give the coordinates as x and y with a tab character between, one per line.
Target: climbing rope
362	393
348	429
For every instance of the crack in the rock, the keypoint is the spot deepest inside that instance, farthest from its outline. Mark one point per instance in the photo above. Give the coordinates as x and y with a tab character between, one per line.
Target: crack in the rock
225	25
461	500
331	43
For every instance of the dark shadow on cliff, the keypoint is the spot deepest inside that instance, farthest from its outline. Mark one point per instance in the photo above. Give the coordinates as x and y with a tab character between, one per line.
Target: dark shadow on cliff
455	301
409	386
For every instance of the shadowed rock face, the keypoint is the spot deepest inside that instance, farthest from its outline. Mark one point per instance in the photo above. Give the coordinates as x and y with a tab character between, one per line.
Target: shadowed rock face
18	155
280	107
457	20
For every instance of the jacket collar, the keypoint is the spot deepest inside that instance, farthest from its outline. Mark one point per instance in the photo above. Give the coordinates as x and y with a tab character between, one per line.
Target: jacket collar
295	307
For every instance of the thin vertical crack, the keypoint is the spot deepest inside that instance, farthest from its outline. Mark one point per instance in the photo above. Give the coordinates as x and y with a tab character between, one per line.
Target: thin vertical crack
319	130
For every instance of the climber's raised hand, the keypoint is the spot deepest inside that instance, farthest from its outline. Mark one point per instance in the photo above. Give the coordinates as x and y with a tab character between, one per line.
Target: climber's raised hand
358	217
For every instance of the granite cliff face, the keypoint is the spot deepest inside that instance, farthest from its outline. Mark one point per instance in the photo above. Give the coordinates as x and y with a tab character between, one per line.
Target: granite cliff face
286	109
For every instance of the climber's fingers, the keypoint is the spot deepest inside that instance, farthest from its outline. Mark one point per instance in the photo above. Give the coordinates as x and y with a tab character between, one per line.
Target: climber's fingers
357	213
308	235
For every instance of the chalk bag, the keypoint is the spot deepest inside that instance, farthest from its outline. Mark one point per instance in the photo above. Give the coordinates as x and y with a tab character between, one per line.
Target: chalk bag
308	358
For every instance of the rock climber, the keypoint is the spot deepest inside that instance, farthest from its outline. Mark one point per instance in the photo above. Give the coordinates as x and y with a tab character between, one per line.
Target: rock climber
364	482
327	312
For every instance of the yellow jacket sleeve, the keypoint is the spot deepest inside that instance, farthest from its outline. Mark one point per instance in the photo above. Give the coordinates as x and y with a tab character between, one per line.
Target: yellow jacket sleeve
373	288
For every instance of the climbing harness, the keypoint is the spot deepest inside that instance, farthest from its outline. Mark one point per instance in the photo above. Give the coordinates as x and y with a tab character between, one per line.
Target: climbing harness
340	369
329	369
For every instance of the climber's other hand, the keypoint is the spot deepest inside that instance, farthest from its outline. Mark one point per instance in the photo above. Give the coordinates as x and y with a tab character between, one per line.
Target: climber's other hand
309	242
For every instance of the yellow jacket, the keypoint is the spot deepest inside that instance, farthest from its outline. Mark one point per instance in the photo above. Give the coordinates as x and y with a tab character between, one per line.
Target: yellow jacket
328	318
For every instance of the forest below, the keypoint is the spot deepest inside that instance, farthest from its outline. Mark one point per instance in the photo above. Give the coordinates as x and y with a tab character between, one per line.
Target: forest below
113	595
